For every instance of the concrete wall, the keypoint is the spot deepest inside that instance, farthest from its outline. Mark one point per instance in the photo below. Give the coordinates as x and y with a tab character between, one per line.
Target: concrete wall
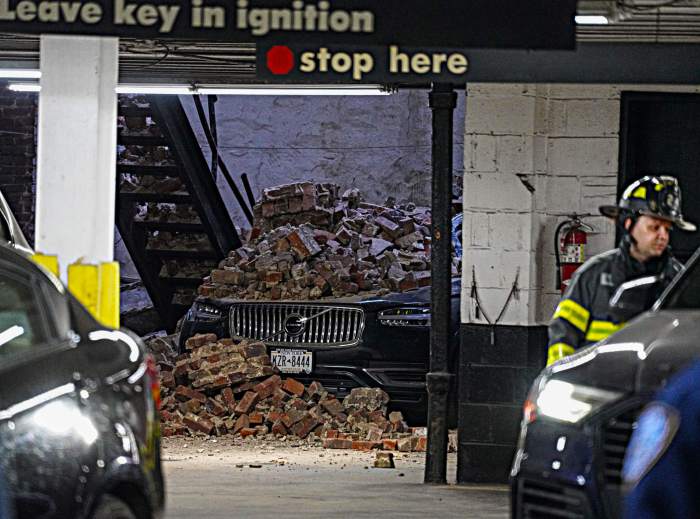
562	142
380	145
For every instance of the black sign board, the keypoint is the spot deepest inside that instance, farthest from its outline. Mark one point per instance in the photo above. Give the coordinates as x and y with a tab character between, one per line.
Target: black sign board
528	24
328	64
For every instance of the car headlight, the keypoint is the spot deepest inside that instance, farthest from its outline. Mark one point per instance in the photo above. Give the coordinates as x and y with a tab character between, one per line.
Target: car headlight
207	312
566	402
415	317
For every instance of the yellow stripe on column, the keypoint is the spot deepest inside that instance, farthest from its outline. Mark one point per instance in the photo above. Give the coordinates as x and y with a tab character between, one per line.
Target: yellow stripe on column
97	288
48	261
108	313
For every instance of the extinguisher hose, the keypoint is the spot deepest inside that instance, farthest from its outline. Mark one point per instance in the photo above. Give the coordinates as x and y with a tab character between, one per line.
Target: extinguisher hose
556	250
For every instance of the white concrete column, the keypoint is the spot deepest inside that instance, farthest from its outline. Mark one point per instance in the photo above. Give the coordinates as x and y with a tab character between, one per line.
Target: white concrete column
77	141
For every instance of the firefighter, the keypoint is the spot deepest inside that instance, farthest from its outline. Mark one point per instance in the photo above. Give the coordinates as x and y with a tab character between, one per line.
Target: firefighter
647	211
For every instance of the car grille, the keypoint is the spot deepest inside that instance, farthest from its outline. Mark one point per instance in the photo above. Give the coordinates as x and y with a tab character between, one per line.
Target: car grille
549	501
616	437
332	326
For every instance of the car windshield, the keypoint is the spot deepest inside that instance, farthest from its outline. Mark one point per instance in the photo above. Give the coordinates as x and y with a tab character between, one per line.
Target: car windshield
20	317
686	293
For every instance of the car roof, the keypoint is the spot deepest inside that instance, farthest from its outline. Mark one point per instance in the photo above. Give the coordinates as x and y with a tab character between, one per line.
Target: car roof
22	260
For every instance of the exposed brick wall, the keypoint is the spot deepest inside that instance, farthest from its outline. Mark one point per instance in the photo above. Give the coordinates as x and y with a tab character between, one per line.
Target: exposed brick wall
18	120
560	140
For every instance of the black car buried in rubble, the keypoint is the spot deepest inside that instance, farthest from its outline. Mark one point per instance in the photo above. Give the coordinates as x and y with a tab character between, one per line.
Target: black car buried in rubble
581	411
371	341
79	425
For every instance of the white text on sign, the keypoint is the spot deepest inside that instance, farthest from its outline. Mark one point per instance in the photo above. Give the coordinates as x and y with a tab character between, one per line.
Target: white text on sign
359	64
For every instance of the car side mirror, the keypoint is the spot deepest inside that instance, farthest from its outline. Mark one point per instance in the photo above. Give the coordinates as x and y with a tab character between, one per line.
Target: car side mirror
634	297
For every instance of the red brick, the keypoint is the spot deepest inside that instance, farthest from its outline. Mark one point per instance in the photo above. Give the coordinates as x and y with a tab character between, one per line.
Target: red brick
248	432
256	418
305	426
191	406
242	423
247	402
253	349
333	406
279	428
265	388
197	423
331	434
167	379
337	443
364	445
273	416
298	404
374	434
229	400
389	445
215	407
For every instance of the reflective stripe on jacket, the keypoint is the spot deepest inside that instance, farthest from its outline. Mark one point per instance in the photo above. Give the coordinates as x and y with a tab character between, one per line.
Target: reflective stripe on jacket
583	316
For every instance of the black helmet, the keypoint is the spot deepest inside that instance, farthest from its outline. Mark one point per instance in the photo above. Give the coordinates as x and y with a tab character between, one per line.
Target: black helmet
657	196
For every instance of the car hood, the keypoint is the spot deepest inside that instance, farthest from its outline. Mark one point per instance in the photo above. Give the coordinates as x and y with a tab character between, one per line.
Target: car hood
639	358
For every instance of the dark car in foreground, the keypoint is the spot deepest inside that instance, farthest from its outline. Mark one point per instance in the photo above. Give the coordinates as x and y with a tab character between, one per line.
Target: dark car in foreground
10	231
582	410
370	341
79	425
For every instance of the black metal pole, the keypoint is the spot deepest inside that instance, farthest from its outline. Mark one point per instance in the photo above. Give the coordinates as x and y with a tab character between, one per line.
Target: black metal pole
211	103
443	100
224	170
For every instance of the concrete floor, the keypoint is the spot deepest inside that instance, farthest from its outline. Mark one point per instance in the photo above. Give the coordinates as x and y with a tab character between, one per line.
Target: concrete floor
223	480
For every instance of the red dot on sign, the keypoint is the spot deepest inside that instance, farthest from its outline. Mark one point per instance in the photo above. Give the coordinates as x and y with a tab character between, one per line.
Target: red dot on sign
280	60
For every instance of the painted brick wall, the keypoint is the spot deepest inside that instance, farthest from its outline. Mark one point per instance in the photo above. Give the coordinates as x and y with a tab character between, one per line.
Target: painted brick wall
18	112
534	154
379	144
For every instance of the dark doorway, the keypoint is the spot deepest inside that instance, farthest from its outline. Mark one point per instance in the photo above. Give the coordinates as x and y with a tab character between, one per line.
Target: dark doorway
660	134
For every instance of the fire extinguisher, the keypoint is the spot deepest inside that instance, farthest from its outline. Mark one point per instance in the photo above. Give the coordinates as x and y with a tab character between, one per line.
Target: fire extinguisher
569	248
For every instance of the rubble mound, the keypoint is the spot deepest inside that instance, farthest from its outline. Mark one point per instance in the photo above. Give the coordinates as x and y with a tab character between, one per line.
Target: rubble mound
308	244
220	387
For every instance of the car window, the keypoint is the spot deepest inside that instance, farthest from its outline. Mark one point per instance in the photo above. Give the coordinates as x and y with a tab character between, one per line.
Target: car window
21	326
5	235
686	293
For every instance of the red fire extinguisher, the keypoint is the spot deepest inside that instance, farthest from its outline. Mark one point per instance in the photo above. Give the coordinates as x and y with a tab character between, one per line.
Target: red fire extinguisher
569	248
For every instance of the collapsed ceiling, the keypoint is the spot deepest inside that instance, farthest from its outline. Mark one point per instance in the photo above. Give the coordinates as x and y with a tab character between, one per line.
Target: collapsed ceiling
178	61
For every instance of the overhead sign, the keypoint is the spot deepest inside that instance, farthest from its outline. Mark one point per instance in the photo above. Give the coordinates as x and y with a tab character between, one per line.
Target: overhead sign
351	64
528	24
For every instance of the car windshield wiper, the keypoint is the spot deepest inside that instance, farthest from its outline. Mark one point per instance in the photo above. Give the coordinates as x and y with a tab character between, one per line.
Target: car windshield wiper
302	320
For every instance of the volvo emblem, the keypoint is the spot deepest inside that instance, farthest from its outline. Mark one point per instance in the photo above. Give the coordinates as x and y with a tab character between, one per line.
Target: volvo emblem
294	325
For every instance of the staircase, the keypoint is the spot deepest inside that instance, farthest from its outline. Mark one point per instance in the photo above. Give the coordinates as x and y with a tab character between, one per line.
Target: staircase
170	213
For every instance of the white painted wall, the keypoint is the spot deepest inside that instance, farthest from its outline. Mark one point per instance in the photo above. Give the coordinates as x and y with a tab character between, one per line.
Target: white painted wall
380	145
563	140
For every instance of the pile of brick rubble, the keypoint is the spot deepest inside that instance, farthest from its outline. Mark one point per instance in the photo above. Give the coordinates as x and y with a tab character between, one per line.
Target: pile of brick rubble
223	387
309	243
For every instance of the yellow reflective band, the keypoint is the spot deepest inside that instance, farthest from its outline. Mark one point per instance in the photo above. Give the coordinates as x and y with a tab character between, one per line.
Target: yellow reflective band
658	187
574	313
599	330
640	192
558	351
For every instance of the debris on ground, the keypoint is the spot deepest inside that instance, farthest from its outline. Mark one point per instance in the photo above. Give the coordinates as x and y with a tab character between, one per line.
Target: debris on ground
227	387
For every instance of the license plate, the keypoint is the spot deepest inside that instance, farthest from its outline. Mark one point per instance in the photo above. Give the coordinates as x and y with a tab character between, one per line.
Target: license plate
292	361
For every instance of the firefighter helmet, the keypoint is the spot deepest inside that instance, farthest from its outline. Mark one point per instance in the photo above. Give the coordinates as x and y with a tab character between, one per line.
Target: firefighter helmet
656	196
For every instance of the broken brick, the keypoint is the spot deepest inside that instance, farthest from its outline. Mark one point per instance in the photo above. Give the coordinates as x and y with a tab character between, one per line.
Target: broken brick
293	387
247	402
